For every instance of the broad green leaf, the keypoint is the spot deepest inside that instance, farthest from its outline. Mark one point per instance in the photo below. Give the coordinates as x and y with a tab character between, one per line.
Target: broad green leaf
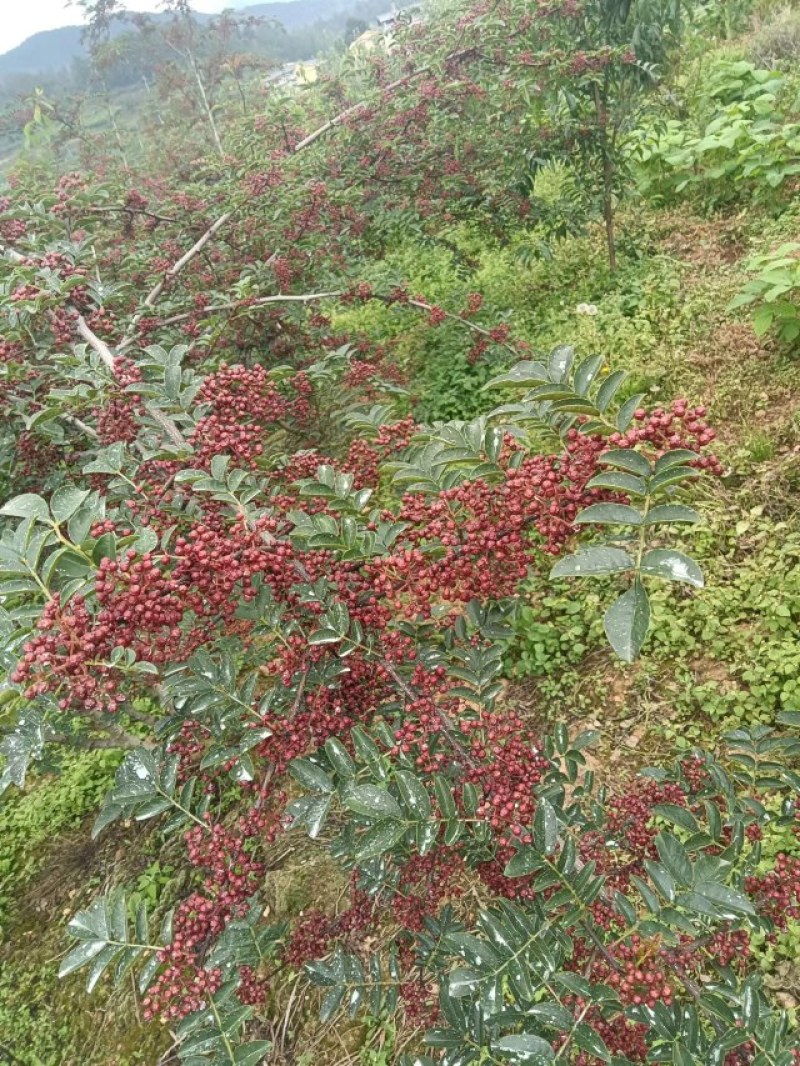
675	457
526	860
675	858
593	562
524	1048
626	459
620	514
608	389
552	1014
590	1040
340	758
762	320
380	839
667	513
462	982
413	794
627	621
619	481
444	796
80	956
672	565
28	505
311	775
66	501
545	827
726	901
679	815
587	372
625	414
560	361
372	801
662	879
252	1054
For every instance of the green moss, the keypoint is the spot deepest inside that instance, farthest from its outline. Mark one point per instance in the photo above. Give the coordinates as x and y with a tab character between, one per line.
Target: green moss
49	806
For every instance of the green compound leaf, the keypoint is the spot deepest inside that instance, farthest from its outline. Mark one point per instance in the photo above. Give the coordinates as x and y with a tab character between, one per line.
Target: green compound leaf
627	621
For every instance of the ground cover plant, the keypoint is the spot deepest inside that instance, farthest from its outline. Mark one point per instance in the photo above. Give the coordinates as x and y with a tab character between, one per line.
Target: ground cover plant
312	442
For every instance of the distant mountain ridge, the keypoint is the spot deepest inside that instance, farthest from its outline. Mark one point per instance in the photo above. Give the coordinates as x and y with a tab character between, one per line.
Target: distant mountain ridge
54	50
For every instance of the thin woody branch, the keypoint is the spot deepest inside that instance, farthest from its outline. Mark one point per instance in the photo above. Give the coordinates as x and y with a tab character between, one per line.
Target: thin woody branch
311	297
185	259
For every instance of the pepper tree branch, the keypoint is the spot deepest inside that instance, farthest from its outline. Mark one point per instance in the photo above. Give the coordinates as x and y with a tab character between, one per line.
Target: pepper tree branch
311	297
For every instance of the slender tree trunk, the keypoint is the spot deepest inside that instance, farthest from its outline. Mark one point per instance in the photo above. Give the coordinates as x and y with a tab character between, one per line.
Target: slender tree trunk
608	210
608	178
207	107
114	126
189	56
159	116
242	97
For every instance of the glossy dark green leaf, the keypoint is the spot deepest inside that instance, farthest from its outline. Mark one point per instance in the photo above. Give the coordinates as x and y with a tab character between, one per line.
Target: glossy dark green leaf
372	801
672	513
379	839
593	562
413	794
526	860
675	858
444	796
340	758
608	389
672	565
65	501
619	481
625	414
251	1054
619	514
626	459
28	505
545	827
588	1039
627	621
310	775
677	815
662	879
525	1049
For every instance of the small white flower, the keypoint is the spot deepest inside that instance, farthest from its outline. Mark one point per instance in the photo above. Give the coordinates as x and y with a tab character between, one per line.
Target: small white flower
582	309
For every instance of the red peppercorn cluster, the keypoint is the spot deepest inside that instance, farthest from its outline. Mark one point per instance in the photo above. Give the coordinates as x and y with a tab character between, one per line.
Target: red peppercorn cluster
681	426
117	418
426	880
184	985
35	458
67	658
315	931
777	893
245	406
11	351
628	836
13	229
641	975
364	458
507	765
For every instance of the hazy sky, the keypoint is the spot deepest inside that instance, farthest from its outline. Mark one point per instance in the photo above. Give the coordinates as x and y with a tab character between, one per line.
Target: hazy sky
20	18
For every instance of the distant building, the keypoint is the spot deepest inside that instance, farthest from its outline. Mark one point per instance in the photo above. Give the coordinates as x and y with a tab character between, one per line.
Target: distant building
306	73
370	40
381	35
292	75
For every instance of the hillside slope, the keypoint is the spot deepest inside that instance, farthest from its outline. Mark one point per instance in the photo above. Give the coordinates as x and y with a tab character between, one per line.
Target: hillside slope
52	51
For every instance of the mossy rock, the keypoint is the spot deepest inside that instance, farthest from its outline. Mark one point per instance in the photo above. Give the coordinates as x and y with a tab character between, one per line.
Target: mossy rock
308	881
